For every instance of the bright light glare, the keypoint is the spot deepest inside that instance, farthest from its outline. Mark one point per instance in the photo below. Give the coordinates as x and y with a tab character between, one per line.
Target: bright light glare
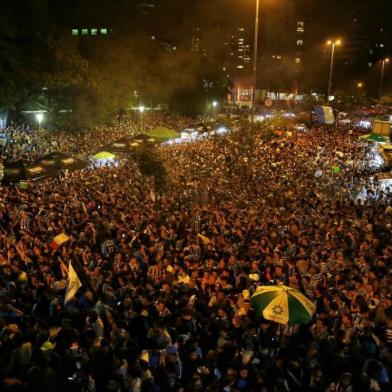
39	117
214	104
221	130
336	42
300	128
377	159
141	108
259	118
364	124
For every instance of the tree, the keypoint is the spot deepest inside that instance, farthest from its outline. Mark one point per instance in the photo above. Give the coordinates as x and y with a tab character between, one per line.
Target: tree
151	165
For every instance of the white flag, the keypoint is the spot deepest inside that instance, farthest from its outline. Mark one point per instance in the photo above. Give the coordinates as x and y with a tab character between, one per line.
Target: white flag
73	284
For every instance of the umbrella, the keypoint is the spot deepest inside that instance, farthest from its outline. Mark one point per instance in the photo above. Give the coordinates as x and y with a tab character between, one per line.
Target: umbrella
283	304
373	137
143	138
70	163
103	155
163	133
120	145
21	170
58	160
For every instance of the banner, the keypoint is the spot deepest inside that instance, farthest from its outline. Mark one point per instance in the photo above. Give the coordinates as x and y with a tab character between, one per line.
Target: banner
324	114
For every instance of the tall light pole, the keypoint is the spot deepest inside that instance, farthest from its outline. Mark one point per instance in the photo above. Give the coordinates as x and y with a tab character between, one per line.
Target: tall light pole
332	44
39	117
255	47
141	109
384	61
214	106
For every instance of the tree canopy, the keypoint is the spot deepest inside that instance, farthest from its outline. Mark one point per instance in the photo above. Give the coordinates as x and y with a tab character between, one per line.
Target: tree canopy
92	77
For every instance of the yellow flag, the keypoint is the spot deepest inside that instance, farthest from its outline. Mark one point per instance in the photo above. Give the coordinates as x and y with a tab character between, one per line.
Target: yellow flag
204	239
73	284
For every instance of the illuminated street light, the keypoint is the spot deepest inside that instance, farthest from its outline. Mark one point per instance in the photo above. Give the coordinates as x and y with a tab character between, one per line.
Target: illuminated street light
332	43
39	117
214	106
141	109
359	84
383	62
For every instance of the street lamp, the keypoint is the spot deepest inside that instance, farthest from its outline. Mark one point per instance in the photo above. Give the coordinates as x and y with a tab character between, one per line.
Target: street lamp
214	106
359	84
39	117
332	43
383	62
141	109
255	47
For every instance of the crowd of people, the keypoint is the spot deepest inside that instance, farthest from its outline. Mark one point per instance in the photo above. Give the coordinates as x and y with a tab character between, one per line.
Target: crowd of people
165	302
24	142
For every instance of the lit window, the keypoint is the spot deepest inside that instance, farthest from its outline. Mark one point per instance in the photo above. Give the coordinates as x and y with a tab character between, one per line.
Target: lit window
300	42
241	29
75	32
94	31
300	30
240	66
104	31
278	57
381	45
297	60
300	24
370	64
84	31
